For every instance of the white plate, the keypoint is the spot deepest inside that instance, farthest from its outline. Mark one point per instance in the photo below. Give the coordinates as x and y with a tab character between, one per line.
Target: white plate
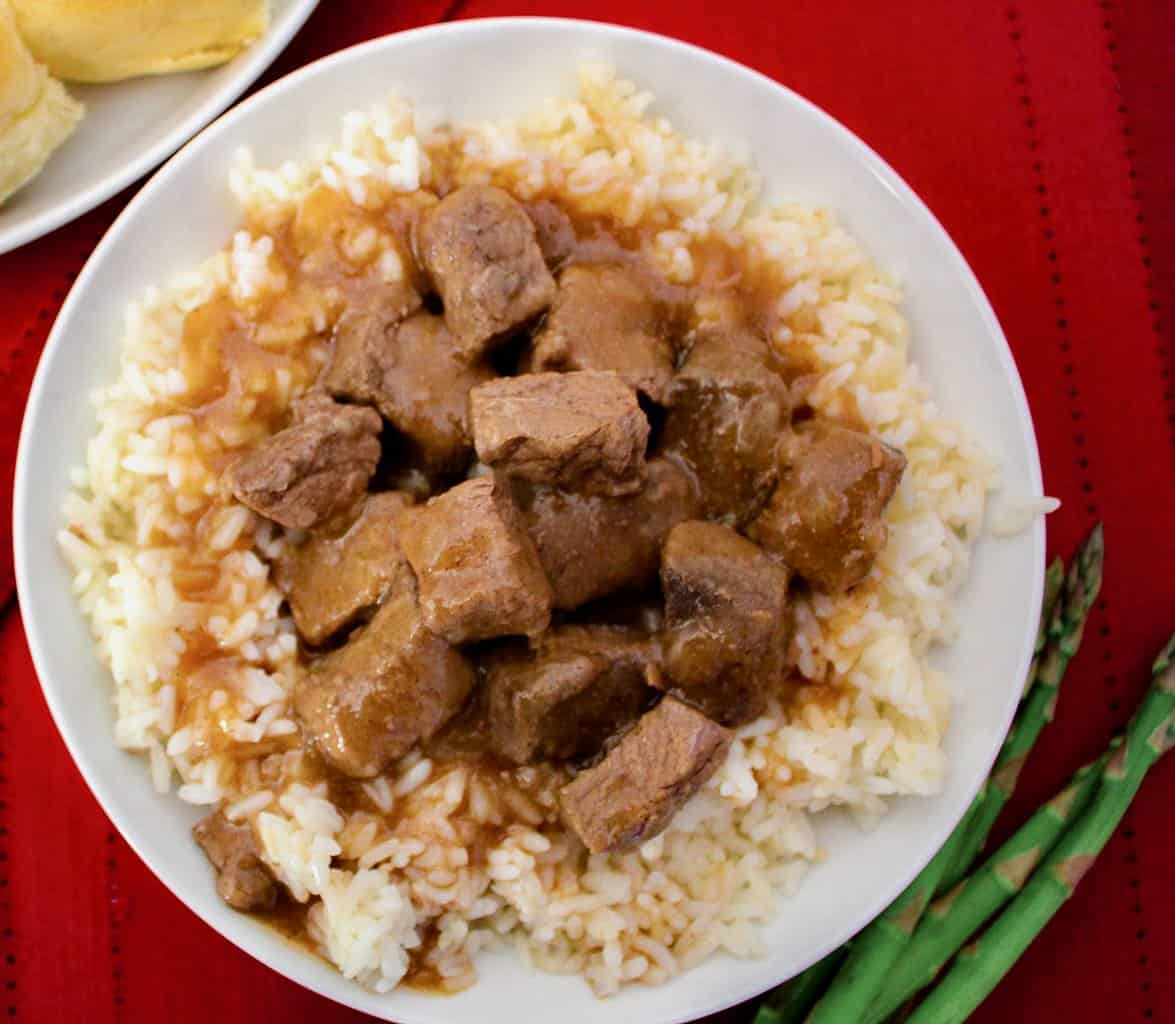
185	213
132	126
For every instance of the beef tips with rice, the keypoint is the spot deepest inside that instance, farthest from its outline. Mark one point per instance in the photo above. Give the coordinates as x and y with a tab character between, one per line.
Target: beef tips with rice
493	623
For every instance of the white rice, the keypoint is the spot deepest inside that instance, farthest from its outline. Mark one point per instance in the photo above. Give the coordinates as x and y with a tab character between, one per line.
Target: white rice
166	566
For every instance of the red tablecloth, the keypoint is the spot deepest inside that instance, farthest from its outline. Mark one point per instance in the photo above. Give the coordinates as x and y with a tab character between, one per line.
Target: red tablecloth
1039	132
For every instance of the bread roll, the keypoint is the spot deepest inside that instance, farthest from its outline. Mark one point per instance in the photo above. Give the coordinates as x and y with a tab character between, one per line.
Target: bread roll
36	113
105	40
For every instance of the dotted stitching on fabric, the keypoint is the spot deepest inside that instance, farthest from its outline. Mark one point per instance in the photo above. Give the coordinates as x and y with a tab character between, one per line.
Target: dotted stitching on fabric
1056	281
1165	358
114	906
1111	679
1135	877
19	361
1135	883
1055	277
17	357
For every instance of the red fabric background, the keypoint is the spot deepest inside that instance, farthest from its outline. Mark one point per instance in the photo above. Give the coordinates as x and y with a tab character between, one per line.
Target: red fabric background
1039	132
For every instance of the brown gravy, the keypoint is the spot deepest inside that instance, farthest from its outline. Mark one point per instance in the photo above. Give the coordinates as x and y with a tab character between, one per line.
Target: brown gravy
288	918
423	975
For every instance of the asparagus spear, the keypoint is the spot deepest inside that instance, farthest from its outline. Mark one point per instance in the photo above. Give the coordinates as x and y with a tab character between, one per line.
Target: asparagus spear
1066	626
1054	577
877	947
952	919
790	1003
980	966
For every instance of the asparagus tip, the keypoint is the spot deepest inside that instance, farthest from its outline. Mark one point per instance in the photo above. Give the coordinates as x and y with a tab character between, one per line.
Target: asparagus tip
1083	582
1163	661
1092	557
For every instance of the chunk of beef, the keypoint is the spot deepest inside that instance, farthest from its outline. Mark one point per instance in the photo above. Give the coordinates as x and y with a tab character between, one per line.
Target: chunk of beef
554	231
631	795
606	317
480	248
393	684
243	879
333	579
579	431
312	470
728	412
467	735
826	517
477	570
725	621
592	545
563	699
410	370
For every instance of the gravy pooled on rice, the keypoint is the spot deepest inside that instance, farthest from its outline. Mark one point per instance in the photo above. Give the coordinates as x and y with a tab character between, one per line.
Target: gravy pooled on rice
519	534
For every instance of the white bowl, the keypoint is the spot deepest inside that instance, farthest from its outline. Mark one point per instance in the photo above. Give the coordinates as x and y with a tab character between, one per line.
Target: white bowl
132	126
497	68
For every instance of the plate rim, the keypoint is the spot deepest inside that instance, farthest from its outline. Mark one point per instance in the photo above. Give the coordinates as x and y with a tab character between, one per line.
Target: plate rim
243	938
258	58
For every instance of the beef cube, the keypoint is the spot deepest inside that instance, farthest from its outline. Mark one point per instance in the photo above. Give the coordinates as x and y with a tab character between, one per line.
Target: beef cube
826	517
725	621
312	470
393	684
409	369
553	230
631	795
243	879
332	580
606	317
591	546
563	699
480	248
477	570
729	409
579	431
466	736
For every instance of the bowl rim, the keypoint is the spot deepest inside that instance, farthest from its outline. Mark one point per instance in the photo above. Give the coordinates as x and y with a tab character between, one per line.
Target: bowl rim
259	56
266	951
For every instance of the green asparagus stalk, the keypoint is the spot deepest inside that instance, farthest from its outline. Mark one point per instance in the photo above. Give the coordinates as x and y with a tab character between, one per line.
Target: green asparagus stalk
791	1003
1054	578
877	947
980	966
952	919
1066	626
